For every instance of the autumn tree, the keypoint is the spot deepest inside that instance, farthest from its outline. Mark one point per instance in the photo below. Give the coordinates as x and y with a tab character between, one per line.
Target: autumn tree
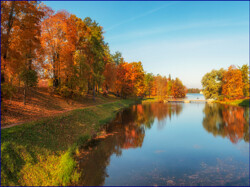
232	85
30	33
124	86
110	74
169	86
178	89
21	45
20	31
10	12
161	87
54	30
137	78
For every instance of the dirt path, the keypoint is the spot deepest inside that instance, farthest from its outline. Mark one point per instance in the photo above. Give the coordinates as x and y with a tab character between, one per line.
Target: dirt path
55	114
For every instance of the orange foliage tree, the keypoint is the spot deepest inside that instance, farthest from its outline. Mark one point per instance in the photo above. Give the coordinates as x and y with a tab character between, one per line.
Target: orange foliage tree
124	86
232	85
54	41
20	46
137	78
110	74
178	89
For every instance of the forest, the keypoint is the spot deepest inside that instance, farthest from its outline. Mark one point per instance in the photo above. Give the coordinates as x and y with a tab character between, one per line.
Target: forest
70	55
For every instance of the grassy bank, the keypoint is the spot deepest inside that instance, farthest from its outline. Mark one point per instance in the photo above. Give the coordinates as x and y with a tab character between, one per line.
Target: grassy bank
42	152
150	100
239	102
41	103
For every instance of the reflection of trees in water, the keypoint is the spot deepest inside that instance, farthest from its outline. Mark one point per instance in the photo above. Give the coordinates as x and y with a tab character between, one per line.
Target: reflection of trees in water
165	111
94	164
147	113
227	121
128	131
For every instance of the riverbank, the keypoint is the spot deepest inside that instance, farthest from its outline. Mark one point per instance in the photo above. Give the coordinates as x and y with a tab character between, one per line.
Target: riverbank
42	152
238	102
150	100
41	103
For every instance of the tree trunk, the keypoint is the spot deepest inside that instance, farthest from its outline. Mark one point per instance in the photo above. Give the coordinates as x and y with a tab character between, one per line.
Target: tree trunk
10	24
59	69
94	90
88	86
55	72
107	88
24	94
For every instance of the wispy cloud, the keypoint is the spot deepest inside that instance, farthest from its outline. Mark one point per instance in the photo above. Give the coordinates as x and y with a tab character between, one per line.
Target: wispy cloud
140	16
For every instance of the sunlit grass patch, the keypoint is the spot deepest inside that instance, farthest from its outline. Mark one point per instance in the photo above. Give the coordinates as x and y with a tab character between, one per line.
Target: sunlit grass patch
149	100
42	152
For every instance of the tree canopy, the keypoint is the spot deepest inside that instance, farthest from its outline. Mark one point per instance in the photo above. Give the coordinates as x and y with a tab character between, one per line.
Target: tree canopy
232	83
39	43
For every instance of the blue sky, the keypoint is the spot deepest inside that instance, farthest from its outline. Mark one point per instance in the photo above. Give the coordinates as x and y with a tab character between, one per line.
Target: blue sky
184	39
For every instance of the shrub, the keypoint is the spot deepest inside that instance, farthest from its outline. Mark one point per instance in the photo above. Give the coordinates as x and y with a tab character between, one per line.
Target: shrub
50	82
29	77
7	90
221	98
65	91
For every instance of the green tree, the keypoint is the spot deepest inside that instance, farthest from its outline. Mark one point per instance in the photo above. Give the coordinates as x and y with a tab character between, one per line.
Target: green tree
149	81
29	78
212	84
117	57
245	79
97	52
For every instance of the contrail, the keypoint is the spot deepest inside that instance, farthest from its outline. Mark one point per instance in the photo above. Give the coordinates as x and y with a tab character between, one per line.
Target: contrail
140	16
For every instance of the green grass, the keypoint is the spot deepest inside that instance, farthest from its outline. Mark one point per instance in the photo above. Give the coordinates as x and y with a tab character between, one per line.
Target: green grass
239	102
150	100
42	152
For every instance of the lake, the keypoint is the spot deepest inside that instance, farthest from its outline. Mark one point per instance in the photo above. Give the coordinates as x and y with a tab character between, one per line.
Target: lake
170	144
195	96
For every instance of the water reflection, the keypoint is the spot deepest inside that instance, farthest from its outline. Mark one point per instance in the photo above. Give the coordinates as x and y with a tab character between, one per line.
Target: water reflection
176	161
126	131
227	121
146	114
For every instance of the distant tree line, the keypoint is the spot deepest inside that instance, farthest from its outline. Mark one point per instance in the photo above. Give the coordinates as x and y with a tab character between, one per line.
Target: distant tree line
222	84
70	52
193	90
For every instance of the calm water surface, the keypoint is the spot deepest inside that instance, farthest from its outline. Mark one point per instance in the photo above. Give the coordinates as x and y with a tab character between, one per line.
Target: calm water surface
171	144
195	96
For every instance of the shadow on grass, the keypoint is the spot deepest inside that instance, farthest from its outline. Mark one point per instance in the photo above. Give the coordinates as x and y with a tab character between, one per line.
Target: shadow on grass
245	103
11	164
